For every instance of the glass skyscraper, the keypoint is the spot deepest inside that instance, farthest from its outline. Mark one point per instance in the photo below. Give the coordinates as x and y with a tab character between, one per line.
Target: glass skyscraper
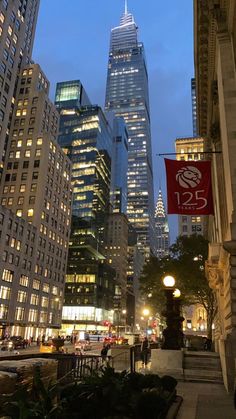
127	96
86	138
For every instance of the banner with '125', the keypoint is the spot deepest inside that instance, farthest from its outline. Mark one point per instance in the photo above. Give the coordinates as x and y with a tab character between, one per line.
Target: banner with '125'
189	188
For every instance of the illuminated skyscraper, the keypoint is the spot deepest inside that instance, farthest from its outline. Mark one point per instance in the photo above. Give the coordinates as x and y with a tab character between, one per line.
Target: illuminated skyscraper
17	28
127	96
86	137
162	228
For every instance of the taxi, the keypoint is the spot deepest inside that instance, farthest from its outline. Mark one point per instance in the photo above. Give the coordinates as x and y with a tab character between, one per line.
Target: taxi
47	347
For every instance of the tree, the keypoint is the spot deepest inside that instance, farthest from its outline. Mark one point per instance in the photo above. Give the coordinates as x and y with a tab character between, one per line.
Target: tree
186	263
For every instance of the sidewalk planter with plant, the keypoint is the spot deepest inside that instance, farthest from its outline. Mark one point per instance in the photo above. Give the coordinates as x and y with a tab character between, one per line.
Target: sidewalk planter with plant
105	394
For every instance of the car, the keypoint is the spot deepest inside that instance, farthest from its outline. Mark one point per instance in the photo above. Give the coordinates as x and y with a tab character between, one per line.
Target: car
83	345
115	340
17	342
47	347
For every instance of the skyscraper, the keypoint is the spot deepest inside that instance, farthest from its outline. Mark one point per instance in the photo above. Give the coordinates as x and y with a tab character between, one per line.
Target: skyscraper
86	137
36	188
162	228
17	28
127	96
119	167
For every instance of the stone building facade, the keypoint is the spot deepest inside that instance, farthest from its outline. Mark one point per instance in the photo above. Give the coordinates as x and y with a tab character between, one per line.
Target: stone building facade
215	45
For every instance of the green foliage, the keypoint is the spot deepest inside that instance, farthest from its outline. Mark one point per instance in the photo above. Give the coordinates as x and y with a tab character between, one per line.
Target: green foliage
105	394
186	263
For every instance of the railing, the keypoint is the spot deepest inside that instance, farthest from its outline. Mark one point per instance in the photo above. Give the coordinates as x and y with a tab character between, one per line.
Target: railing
73	367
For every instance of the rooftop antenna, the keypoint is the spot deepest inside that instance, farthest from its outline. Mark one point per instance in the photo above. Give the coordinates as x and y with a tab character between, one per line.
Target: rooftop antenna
126	7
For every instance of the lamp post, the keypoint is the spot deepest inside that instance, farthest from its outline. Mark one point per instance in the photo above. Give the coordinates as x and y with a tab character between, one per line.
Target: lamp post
146	313
124	318
173	335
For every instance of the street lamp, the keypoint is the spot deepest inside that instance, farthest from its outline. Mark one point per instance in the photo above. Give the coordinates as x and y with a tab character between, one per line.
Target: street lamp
146	313
173	335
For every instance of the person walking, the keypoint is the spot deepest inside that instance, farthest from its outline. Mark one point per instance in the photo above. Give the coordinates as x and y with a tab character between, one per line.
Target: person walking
145	350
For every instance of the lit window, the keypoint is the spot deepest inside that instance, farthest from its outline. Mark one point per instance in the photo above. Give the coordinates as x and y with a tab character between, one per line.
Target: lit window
22	187
19	213
5	293
19	143
19	314
7	275
30	212
22	296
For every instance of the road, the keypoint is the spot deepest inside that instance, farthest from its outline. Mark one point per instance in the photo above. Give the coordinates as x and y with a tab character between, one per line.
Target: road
34	349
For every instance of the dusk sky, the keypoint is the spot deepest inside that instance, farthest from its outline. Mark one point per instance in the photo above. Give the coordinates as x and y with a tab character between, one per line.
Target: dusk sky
72	42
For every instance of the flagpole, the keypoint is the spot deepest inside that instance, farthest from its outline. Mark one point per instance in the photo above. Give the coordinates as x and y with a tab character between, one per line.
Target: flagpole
176	154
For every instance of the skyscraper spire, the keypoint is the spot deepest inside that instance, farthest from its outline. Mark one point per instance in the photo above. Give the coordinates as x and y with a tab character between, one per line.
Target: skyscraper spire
126	7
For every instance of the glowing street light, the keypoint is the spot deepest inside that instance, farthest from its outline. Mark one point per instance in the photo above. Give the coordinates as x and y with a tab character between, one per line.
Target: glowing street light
146	312
176	293
169	281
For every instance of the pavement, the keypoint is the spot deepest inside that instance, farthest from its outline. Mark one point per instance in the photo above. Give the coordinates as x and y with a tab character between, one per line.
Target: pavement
205	401
201	400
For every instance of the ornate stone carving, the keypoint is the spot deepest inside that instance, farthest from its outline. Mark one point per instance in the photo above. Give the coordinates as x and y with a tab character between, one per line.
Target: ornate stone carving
214	276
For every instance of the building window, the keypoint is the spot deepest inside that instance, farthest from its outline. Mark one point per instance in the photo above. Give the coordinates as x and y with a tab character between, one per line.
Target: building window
33	314
7	275
19	315
36	284
34	299
20	200
5	293
22	187
43	317
44	302
3	311
24	281
46	288
30	212
22	296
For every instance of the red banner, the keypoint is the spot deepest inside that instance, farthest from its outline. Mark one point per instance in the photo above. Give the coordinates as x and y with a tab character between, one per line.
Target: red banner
189	189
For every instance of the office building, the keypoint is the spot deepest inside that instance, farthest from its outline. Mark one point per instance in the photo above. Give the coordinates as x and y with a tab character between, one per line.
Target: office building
127	96
17	28
162	228
36	188
86	137
119	166
116	254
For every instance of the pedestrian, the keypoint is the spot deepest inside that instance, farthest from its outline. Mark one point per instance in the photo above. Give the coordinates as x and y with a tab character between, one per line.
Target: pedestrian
38	341
145	350
104	352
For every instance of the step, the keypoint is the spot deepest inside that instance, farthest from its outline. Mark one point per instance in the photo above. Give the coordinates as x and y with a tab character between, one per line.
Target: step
203	375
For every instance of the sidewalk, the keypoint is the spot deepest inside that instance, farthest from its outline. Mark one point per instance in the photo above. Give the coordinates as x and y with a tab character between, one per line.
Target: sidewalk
205	401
